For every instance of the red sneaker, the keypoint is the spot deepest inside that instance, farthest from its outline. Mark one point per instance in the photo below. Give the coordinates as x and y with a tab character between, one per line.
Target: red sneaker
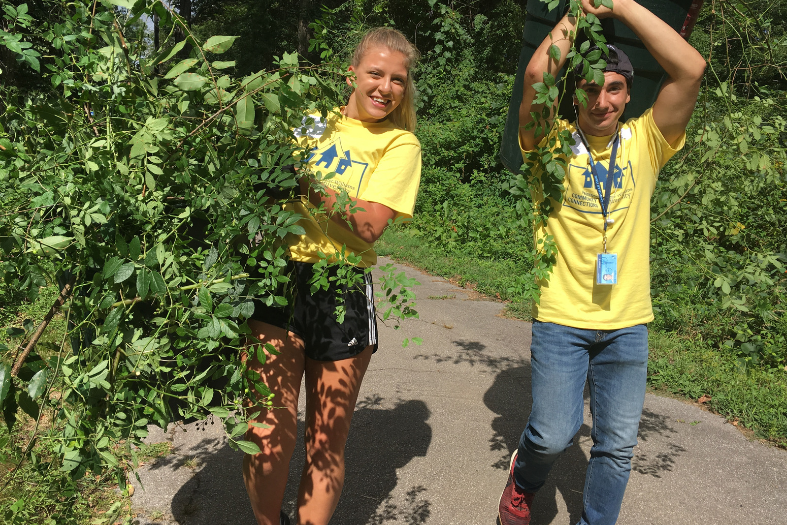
514	508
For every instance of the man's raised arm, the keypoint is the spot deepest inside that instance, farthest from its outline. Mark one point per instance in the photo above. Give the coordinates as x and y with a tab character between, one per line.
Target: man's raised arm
561	36
683	64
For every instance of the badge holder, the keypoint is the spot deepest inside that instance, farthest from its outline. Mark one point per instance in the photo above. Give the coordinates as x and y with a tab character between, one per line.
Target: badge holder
607	268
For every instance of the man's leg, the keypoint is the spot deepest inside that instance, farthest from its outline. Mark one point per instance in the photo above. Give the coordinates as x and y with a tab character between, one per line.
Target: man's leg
616	379
559	365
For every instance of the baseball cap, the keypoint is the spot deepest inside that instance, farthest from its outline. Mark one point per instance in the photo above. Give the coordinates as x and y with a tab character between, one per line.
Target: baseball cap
617	62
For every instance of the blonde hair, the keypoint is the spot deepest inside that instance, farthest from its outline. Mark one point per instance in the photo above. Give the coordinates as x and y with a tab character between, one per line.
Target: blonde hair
404	115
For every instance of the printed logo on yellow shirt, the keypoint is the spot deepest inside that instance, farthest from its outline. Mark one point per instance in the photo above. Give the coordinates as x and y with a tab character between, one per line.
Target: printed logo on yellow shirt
582	196
331	157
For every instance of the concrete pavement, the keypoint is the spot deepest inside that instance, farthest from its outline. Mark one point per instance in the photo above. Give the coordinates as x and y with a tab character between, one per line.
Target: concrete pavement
434	429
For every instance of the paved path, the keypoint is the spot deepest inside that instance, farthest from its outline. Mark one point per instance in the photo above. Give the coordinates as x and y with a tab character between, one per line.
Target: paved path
435	426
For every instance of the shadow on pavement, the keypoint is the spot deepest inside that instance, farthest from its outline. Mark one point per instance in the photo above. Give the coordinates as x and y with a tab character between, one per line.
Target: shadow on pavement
509	397
381	441
654	427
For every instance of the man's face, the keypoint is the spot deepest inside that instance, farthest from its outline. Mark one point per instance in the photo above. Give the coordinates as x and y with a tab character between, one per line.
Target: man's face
605	104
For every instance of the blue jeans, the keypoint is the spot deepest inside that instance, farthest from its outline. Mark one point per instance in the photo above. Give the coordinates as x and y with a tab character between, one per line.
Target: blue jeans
615	364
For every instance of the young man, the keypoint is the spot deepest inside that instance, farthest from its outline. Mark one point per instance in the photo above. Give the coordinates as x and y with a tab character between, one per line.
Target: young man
585	328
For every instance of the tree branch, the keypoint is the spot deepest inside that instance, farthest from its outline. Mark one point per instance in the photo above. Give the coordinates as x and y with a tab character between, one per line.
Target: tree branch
64	293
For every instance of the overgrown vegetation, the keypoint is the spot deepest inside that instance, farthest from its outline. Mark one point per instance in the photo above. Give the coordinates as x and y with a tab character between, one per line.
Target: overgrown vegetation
145	190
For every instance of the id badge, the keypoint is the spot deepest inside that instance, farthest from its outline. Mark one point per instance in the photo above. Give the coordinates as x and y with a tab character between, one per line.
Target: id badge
607	268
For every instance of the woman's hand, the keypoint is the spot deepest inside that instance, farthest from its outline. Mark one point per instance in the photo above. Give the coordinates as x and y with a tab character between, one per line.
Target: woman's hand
366	223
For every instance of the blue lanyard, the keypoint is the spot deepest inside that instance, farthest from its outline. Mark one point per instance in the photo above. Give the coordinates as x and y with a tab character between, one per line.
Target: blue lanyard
603	198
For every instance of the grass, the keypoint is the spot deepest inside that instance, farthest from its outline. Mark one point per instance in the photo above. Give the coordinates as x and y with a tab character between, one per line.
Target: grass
497	279
754	397
32	489
686	367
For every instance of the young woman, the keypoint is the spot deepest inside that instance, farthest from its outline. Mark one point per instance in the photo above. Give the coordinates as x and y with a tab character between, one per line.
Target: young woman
370	148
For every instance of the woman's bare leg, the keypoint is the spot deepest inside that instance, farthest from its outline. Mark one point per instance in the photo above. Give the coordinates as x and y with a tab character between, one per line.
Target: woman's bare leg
265	474
331	392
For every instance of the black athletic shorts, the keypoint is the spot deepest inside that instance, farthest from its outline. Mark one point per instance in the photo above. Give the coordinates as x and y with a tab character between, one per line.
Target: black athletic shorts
313	317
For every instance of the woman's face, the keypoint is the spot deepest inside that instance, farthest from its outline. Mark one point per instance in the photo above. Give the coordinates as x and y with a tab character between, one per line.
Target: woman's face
380	82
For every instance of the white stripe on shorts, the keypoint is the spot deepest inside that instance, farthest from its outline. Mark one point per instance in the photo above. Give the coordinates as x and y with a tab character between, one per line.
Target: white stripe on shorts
370	308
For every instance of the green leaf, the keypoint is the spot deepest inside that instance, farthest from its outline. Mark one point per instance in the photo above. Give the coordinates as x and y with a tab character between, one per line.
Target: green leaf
124	272
244	112
223	64
112	320
173	51
37	385
9	408
110	460
219	411
150	181
223	310
144	279
5	381
28	405
218	44
248	447
99	368
157	284
607	3
598	77
221	287
190	81
205	300
112	266
13	331
181	67
271	102
207	397
554	52
125	4
54	243
71	460
134	249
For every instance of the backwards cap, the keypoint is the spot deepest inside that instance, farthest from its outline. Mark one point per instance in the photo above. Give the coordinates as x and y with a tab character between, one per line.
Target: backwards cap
617	62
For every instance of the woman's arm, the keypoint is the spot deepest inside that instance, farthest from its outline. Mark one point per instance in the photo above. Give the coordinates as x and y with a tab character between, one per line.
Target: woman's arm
368	224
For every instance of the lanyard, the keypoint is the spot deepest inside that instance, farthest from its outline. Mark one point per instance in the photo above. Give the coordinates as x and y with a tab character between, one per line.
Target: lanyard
603	198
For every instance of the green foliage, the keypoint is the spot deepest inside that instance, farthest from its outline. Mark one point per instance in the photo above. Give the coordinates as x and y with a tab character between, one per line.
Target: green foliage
36	491
718	245
720	248
693	368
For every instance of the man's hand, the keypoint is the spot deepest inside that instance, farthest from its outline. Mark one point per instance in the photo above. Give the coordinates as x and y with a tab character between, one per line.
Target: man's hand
588	6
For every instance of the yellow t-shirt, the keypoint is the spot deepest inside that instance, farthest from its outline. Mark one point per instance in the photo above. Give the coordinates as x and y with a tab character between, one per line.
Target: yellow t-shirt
571	296
375	162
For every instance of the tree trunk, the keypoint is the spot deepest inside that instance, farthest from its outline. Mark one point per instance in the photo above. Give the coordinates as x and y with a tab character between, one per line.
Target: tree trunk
155	40
184	9
304	17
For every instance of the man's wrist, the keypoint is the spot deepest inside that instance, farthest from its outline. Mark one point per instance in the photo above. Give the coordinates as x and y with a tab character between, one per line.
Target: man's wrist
621	9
